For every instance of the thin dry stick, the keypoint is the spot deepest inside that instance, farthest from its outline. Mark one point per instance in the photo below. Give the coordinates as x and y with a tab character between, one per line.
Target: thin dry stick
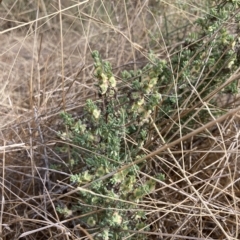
31	100
31	155
42	6
46	162
129	34
84	231
3	192
62	61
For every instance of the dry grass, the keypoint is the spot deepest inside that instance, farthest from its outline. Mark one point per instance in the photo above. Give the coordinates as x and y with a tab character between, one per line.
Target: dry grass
45	68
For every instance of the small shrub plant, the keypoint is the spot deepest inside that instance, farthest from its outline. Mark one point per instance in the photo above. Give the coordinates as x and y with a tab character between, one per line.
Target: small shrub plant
105	133
115	127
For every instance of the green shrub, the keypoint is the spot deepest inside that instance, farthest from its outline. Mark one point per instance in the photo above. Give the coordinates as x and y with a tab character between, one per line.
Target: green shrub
104	133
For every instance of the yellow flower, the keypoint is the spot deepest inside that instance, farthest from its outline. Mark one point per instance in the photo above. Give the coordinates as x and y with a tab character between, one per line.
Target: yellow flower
112	82
96	113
